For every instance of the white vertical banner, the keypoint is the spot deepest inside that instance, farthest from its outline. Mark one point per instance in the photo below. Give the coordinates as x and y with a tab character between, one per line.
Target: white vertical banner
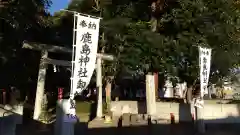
205	64
85	44
87	34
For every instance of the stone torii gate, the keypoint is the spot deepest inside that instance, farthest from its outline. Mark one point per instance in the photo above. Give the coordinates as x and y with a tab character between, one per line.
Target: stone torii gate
44	61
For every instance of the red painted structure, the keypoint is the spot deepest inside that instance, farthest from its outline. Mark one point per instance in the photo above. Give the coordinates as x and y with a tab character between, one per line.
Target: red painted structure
60	93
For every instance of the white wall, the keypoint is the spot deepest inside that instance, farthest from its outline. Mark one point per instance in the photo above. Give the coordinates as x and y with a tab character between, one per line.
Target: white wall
213	113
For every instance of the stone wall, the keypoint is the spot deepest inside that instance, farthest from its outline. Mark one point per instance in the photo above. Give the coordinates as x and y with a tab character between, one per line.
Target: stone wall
120	107
213	113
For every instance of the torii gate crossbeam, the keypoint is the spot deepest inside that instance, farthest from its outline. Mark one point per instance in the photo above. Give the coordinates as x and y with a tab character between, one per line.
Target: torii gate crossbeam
44	48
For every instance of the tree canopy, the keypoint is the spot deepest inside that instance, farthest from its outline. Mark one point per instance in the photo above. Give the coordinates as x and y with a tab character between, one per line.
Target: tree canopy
145	36
21	20
172	48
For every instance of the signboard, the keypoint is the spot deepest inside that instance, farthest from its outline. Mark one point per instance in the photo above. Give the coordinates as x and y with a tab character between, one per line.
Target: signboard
85	44
70	109
204	63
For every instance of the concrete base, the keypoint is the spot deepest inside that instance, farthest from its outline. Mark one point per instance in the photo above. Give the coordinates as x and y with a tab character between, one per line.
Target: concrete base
200	120
61	127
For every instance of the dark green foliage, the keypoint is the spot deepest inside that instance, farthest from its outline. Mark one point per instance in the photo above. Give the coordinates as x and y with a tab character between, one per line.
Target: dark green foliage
125	32
172	50
21	20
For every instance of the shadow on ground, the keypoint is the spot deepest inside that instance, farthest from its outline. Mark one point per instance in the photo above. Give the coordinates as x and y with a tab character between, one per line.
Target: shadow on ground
119	127
12	122
156	129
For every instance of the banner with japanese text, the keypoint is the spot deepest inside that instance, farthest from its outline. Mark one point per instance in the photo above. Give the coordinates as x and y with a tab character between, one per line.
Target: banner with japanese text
204	63
85	44
86	51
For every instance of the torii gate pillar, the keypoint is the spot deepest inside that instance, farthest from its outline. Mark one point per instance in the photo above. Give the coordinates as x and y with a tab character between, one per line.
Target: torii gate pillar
99	87
43	67
40	85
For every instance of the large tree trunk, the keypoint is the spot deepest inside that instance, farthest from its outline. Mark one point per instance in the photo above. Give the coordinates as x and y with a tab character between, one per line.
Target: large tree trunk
108	93
156	7
174	92
156	84
189	94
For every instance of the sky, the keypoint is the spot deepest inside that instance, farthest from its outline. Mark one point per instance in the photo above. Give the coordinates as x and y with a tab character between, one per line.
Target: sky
57	5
